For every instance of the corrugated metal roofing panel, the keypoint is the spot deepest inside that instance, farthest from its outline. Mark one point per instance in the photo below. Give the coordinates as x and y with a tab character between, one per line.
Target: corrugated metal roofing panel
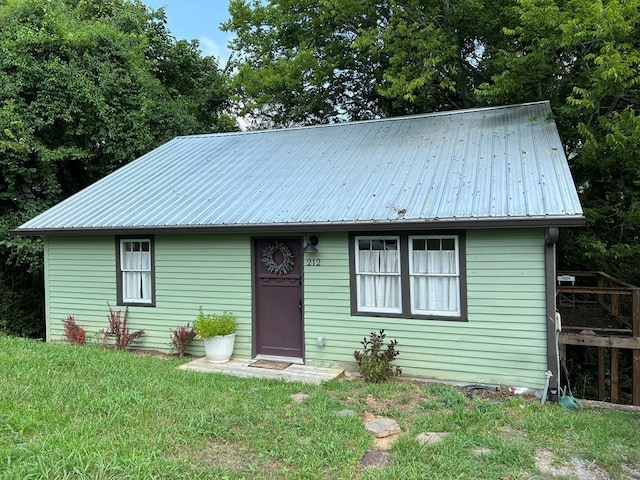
481	164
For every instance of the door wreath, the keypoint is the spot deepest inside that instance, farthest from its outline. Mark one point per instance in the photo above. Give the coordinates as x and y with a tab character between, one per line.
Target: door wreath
274	268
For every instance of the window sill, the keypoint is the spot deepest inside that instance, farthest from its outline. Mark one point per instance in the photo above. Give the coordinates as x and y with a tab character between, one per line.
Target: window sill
442	318
136	304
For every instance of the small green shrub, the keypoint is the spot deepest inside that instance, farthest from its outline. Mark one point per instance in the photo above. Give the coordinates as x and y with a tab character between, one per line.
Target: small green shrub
375	362
181	338
212	325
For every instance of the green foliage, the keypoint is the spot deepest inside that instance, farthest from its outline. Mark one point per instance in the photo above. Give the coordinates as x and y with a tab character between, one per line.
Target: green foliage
315	61
212	325
295	63
86	87
445	396
110	412
583	56
375	362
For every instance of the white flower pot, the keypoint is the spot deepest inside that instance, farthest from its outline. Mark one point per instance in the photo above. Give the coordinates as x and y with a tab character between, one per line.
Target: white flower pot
219	349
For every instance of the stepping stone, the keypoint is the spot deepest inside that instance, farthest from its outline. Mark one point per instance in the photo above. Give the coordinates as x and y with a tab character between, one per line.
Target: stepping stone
375	458
382	427
431	438
481	451
345	412
299	397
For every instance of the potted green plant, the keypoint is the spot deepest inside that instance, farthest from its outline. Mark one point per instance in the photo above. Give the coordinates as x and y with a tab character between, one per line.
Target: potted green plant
219	334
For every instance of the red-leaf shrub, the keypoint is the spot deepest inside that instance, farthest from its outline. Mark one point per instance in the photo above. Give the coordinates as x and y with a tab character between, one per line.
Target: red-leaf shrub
119	330
181	338
73	332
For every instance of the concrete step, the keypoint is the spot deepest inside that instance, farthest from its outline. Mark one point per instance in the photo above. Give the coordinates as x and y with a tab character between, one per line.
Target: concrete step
241	368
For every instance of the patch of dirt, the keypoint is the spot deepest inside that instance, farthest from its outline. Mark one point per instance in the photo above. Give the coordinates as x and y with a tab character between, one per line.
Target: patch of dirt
379	406
577	468
230	457
368	416
158	354
385	444
407	401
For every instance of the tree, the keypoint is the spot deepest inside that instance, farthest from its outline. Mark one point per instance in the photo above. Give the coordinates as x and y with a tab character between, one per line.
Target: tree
584	56
294	64
437	51
317	61
85	87
330	60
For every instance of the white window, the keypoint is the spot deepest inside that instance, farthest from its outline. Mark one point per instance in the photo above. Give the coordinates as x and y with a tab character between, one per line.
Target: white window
378	274
136	271
434	275
409	275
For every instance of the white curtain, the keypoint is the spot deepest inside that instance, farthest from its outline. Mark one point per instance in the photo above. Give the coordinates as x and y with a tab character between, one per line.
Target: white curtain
136	268
379	276
435	282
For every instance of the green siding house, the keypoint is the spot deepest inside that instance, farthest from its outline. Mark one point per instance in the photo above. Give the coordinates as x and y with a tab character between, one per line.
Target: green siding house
439	228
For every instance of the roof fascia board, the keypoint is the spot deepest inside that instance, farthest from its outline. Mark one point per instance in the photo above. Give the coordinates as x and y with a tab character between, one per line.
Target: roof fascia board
545	222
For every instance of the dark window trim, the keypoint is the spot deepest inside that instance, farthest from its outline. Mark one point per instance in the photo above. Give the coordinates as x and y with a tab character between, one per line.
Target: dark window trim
119	285
404	276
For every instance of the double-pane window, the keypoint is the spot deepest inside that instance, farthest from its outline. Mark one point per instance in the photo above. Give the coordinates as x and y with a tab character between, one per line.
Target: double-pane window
434	274
378	274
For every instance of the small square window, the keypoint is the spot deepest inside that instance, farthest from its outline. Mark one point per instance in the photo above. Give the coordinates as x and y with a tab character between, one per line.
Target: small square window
433	244
448	244
418	243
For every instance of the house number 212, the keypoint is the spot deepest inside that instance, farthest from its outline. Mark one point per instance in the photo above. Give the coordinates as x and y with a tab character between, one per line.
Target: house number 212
313	262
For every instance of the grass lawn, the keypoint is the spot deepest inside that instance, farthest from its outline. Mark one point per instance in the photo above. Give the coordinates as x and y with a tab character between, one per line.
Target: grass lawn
71	412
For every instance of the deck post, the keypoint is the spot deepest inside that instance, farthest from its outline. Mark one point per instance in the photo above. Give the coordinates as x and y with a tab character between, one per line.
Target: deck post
635	382
614	375
635	319
601	380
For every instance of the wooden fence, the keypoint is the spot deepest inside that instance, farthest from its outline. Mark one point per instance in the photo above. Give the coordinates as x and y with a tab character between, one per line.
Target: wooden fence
617	300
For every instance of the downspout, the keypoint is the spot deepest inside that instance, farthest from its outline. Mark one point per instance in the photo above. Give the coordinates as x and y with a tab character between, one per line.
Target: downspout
553	358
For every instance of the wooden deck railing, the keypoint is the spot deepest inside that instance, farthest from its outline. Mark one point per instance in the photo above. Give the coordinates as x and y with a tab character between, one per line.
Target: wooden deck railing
622	302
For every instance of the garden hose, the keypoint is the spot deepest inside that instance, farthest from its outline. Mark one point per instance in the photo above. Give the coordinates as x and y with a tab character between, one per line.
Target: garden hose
568	401
470	389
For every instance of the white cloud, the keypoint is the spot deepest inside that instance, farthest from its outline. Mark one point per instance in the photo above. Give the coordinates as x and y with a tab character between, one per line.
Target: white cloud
213	48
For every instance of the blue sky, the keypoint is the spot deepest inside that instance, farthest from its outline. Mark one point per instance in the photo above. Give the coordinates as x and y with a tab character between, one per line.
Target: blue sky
199	20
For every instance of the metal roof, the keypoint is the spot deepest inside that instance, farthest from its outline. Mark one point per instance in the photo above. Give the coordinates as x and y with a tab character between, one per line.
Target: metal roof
467	167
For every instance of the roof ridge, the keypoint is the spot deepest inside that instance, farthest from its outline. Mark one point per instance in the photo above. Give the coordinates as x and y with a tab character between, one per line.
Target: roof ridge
371	120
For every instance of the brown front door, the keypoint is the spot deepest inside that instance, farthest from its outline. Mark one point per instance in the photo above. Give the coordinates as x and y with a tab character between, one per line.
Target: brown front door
278	295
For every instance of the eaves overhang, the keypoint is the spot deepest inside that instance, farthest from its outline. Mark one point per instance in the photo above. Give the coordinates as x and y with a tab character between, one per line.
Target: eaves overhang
382	225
